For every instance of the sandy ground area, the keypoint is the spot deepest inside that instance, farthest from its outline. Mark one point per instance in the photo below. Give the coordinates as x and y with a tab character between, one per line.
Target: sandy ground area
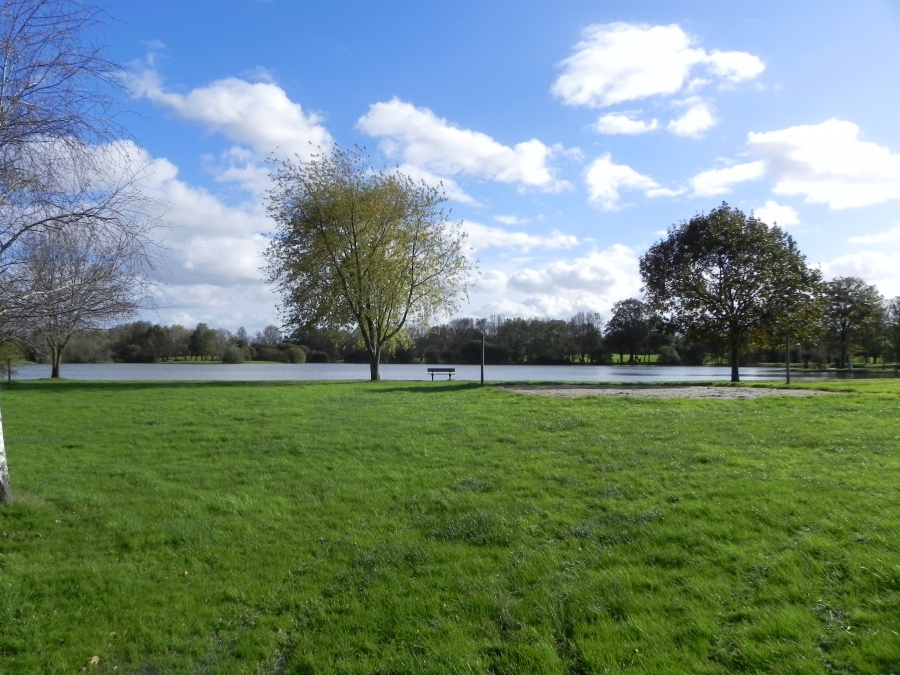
730	393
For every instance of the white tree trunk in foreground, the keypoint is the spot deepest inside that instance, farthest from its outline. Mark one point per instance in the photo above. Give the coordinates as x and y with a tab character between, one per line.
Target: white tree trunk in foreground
4	469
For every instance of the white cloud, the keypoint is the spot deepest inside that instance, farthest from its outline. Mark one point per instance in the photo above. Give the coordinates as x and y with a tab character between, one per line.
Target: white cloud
484	236
605	179
695	121
561	287
421	138
652	193
734	66
874	267
206	241
241	166
620	62
891	236
827	163
719	181
448	186
773	213
251	306
511	220
619	123
258	114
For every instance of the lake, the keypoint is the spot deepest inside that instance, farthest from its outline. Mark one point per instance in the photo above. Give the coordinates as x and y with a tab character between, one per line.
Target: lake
249	372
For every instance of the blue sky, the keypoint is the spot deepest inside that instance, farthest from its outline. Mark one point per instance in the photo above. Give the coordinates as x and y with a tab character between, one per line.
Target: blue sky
567	137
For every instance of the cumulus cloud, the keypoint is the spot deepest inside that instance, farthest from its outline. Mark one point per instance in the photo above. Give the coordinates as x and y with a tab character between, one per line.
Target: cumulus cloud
605	180
773	213
511	220
829	164
891	236
876	267
697	119
621	62
719	181
485	236
258	114
206	242
212	251
448	186
562	287
419	137
619	123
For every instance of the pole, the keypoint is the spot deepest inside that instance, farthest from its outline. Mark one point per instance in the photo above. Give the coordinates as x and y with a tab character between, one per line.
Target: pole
787	363
482	358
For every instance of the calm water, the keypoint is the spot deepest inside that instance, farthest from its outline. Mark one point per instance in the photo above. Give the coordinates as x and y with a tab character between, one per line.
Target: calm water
348	371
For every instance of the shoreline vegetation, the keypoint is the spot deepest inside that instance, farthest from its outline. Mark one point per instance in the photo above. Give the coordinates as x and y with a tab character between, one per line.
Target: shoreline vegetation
360	527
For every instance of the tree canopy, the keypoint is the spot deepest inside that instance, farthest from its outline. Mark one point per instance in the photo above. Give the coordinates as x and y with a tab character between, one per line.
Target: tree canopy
852	309
356	247
728	278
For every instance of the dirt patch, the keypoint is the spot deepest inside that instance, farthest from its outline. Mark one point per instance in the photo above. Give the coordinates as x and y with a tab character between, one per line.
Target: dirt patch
727	393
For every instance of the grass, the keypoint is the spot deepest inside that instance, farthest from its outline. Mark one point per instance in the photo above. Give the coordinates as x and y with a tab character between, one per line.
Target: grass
447	528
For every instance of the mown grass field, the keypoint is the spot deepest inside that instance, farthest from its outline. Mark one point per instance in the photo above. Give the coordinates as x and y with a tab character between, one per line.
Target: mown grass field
447	528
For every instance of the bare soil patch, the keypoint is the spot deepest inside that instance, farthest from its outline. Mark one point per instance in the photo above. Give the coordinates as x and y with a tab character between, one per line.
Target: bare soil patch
727	393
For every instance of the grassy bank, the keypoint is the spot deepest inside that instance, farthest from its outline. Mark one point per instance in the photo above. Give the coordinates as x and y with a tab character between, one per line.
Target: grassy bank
446	528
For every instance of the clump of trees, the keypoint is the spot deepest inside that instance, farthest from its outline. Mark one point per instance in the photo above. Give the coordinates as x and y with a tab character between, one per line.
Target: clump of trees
634	333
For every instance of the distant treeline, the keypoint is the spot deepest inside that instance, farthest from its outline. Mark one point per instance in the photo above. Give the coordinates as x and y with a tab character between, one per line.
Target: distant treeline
633	333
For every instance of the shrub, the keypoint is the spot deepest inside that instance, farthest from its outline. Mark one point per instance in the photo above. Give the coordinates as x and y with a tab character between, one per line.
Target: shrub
295	354
668	356
232	354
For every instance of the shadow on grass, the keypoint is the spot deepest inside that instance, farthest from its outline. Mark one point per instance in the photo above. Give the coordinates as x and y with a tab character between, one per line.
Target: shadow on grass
63	384
125	385
424	387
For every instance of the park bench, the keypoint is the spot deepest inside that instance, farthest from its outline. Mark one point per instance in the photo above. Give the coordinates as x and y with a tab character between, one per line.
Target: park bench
449	371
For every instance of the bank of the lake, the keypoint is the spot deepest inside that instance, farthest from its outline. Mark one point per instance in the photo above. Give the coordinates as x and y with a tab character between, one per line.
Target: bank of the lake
275	372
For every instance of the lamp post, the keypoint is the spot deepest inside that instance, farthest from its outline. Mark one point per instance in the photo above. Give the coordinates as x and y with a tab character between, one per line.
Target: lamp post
787	362
482	356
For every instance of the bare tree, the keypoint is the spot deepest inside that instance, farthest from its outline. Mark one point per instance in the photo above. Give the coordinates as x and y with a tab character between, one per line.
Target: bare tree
69	281
63	165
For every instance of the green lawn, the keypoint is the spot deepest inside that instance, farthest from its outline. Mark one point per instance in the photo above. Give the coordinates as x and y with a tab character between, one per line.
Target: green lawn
447	528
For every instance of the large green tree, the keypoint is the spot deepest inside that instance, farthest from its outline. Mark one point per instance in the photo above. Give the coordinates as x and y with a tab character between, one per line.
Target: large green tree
853	309
629	327
892	328
728	279
357	247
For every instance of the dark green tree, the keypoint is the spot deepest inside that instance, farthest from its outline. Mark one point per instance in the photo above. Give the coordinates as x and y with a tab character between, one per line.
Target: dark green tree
587	337
203	342
892	329
629	327
729	279
853	309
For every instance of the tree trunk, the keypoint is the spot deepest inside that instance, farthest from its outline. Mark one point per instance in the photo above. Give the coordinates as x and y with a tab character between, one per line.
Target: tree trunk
735	375
56	358
374	362
5	494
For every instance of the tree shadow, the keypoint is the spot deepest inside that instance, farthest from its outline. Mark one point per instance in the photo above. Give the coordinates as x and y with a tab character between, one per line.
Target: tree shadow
425	387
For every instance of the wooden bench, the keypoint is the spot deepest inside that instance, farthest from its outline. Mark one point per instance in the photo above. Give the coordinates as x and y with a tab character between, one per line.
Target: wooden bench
449	371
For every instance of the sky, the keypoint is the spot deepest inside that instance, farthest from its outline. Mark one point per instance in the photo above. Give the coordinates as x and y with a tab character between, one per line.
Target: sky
567	137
